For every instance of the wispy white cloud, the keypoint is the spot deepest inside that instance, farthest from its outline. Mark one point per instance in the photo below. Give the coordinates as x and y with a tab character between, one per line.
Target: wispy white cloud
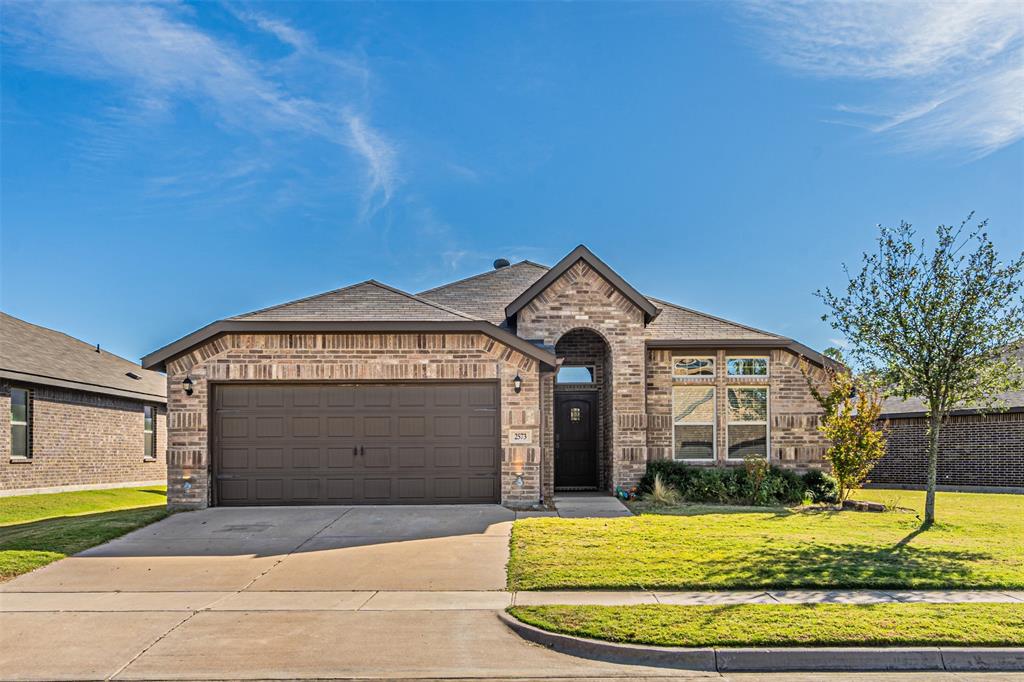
161	57
948	75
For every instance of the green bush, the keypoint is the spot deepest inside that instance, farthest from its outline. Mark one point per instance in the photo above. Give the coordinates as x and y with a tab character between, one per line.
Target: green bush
727	485
822	487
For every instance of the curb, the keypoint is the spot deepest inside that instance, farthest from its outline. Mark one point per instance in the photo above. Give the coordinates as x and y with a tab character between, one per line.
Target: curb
822	659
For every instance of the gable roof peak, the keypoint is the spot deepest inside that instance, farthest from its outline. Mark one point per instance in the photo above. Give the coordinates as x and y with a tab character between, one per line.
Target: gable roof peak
583	253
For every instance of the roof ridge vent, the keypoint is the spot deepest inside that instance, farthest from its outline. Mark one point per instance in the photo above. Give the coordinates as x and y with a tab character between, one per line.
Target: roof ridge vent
501	263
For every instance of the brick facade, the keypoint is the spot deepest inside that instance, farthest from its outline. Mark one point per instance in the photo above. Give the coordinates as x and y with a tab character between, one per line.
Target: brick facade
793	415
80	439
349	358
974	450
582	299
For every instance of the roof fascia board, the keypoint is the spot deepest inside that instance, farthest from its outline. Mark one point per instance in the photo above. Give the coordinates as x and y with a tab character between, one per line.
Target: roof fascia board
787	344
581	252
80	386
158	358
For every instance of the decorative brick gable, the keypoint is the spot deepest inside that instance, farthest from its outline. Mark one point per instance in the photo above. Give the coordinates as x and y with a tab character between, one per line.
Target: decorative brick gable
582	298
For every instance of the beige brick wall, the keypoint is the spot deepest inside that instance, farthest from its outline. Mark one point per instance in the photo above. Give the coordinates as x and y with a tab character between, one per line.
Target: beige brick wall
348	357
80	439
794	439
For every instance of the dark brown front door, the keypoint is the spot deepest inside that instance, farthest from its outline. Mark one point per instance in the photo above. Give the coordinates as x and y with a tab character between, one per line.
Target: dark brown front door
425	443
576	440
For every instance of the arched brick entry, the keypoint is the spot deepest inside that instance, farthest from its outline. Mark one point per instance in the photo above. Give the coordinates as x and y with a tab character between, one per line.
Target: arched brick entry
582	347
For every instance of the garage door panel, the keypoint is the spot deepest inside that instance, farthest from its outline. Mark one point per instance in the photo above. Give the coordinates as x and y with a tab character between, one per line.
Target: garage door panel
269	458
392	444
341	458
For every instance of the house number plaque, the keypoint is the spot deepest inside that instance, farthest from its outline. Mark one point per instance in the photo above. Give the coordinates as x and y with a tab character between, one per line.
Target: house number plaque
519	437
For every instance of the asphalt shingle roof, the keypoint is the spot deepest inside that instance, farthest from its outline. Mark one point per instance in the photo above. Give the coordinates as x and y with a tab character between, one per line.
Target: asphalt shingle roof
486	295
40	355
368	301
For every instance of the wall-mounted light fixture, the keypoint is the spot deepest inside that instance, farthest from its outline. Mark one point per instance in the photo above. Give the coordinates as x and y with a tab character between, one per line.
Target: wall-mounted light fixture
519	480
187	384
517	383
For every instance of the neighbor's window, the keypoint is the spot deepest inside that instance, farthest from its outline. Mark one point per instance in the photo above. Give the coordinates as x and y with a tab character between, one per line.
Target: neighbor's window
747	367
687	367
21	423
693	422
747	426
575	374
149	430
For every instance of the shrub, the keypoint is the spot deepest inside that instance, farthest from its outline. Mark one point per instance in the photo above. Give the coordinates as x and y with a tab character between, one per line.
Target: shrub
754	483
822	487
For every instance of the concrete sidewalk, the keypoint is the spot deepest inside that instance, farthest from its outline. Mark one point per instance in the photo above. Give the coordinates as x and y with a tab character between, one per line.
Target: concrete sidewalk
452	600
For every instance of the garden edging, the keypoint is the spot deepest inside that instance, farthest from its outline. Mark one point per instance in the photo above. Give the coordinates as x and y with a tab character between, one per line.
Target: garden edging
781	659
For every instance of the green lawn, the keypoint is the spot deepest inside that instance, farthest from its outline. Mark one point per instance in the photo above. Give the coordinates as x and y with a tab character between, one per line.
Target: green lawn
787	625
978	542
36	530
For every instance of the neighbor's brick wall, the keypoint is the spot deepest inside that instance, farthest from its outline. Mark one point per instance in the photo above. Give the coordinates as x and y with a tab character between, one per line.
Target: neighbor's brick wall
974	450
582	299
80	438
348	357
793	415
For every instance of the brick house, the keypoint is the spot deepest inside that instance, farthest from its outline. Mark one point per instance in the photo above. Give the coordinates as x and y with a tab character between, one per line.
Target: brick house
502	387
79	418
976	450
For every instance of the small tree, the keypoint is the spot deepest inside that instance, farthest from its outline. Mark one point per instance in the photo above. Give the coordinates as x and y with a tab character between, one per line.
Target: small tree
851	408
935	324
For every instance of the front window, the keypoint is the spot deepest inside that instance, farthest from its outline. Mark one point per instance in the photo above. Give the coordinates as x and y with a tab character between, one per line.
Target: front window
747	427
747	367
693	422
691	367
575	374
21	424
149	431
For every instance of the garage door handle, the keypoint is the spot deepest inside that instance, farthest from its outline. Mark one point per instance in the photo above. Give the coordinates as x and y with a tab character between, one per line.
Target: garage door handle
355	450
362	451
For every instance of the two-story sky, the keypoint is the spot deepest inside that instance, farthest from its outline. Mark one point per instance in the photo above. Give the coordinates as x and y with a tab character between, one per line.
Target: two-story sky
166	165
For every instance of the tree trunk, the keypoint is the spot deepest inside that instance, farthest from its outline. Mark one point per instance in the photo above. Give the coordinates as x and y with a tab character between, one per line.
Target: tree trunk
934	424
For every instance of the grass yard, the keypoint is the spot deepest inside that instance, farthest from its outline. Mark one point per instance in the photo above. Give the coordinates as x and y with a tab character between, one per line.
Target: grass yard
787	625
978	542
36	530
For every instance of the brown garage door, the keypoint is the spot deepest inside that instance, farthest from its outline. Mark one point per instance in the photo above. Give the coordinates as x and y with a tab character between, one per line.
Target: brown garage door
356	444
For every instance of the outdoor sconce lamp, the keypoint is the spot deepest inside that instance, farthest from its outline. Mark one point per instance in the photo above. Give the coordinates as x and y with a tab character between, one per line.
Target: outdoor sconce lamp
187	385
517	383
519	480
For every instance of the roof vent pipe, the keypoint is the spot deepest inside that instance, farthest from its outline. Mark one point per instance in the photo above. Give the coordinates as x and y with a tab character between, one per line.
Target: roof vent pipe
501	263
97	348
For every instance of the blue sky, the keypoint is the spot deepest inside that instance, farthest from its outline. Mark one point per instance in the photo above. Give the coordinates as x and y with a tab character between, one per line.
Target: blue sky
166	165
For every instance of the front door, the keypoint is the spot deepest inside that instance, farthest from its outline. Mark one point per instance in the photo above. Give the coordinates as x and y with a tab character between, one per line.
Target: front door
575	440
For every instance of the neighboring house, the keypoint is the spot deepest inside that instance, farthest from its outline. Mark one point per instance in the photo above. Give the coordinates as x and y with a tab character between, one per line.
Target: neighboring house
79	418
975	449
370	395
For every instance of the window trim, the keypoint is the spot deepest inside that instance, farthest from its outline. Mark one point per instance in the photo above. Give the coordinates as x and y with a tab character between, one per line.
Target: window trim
695	377
593	375
754	377
714	427
145	456
27	457
767	420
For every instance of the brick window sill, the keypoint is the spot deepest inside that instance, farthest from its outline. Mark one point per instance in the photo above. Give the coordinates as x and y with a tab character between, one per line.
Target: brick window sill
21	460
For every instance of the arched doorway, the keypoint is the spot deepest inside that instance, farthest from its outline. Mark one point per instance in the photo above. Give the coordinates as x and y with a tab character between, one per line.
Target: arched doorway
582	411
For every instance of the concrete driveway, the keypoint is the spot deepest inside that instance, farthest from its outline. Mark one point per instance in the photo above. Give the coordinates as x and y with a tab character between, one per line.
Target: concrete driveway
314	592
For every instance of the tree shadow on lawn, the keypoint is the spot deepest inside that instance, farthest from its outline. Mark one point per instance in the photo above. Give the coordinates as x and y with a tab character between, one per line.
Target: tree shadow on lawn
899	566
